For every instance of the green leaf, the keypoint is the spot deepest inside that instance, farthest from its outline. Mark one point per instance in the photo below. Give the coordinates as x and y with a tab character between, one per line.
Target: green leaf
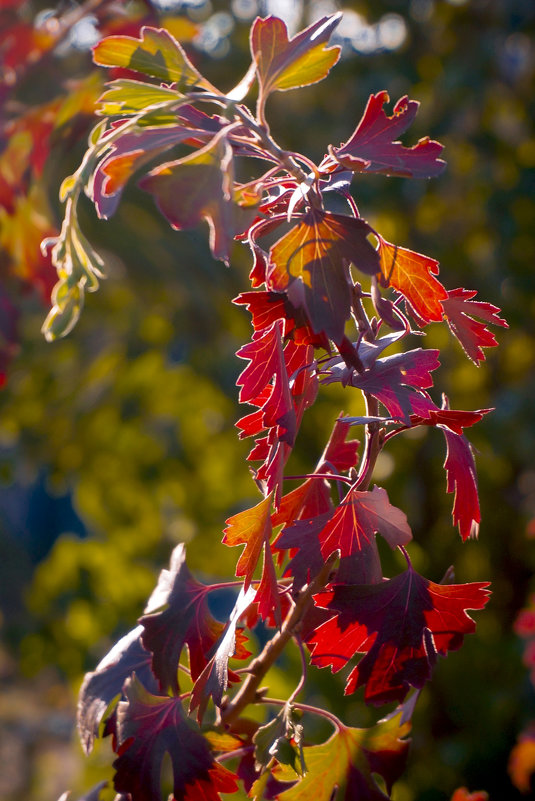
284	63
274	740
347	762
126	96
156	53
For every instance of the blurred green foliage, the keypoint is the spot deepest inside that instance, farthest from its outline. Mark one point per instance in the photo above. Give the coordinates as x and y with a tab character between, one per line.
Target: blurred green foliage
133	414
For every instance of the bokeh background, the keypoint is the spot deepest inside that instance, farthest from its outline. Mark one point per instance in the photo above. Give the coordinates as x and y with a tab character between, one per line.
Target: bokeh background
118	442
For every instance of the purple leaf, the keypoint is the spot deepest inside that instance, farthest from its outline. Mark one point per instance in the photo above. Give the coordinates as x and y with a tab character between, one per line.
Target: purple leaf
176	615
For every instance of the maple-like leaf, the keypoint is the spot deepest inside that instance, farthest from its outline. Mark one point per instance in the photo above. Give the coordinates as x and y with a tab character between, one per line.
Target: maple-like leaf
156	53
265	307
148	728
343	768
454	419
459	312
284	64
251	528
352	530
104	685
302	539
373	147
311	263
200	187
125	96
401	625
214	679
267	362
396	381
462	479
412	274
177	615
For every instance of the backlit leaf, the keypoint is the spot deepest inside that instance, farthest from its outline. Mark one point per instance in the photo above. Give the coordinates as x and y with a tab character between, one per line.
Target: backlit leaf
462	479
460	311
311	263
342	768
156	53
284	64
401	625
104	685
352	530
373	147
200	187
177	615
396	381
149	727
214	679
125	96
412	274
251	528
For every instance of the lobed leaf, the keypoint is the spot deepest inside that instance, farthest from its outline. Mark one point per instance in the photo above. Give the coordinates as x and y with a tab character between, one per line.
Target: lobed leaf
102	688
283	63
126	96
401	625
462	480
156	53
459	312
214	679
352	530
412	274
396	381
200	187
311	264
373	146
149	727
251	528
176	616
343	768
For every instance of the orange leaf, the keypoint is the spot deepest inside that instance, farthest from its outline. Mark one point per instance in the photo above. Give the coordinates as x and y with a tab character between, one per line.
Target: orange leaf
251	528
311	262
412	274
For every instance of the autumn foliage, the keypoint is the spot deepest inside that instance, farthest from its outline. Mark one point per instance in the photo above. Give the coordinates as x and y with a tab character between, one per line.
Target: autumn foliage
331	302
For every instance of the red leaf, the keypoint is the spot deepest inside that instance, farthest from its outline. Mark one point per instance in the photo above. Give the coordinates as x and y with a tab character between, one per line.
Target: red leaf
251	528
462	479
459	312
266	307
267	362
348	762
454	419
339	453
372	147
267	594
284	64
311	263
176	615
214	679
401	625
148	728
303	538
352	530
412	274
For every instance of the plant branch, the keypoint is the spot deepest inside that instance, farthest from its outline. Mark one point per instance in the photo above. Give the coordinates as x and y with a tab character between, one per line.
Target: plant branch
314	710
